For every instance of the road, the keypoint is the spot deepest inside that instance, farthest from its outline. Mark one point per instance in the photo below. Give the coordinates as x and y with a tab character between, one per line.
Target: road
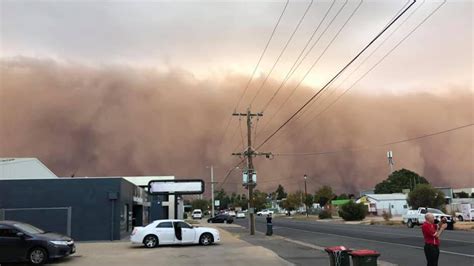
398	245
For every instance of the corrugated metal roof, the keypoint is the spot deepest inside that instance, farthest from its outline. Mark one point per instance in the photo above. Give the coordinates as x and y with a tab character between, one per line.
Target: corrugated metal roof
393	196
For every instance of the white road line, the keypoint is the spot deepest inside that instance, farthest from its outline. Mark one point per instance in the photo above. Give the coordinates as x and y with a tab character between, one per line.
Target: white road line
377	241
448	239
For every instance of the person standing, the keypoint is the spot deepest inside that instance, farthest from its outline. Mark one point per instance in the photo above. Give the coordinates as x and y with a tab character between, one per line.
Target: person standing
269	225
431	233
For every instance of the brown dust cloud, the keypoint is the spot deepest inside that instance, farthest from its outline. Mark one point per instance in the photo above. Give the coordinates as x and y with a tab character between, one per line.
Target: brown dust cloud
117	120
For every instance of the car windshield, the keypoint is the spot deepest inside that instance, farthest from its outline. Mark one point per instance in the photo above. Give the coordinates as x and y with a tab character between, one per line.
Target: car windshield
435	211
29	228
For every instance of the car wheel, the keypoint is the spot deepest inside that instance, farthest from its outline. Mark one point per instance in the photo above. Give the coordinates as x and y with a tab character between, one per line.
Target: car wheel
150	241
410	224
460	218
37	256
206	239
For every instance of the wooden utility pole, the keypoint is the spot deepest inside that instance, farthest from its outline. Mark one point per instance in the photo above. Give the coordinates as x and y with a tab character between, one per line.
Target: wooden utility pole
249	153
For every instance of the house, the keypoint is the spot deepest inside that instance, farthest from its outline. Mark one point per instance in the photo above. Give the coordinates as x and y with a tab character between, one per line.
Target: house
395	203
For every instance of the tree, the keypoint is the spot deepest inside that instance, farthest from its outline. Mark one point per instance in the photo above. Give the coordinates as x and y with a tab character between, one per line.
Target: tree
280	192
259	200
292	202
425	195
308	200
223	198
462	195
324	195
352	211
343	196
200	204
399	180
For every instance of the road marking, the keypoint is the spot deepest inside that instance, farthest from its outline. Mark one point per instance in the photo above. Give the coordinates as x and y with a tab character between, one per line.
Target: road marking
377	241
335	226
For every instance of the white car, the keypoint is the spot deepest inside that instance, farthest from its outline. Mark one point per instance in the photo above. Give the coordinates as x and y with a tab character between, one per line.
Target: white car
240	215
173	232
264	212
197	214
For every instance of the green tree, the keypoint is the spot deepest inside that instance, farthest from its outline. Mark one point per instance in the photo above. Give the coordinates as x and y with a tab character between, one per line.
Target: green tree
399	180
309	200
280	192
259	200
342	196
425	195
200	204
292	202
324	195
462	195
352	211
223	198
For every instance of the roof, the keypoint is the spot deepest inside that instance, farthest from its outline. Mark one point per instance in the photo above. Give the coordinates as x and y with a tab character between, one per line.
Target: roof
24	168
393	196
144	180
340	202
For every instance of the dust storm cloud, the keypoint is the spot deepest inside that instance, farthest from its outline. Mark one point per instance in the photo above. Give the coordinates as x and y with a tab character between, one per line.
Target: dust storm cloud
118	120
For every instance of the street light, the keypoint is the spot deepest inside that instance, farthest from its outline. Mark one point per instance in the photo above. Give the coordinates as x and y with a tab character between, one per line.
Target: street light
305	195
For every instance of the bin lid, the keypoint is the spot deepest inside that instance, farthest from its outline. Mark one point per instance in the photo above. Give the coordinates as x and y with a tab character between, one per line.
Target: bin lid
364	252
335	248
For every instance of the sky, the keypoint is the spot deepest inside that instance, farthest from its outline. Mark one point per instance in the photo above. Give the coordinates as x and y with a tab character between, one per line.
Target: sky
104	88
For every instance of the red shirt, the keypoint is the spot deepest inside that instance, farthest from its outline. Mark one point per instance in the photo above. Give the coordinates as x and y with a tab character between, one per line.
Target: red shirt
429	233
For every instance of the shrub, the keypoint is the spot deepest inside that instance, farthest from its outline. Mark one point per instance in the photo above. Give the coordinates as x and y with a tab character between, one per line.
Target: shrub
185	216
386	216
352	211
325	214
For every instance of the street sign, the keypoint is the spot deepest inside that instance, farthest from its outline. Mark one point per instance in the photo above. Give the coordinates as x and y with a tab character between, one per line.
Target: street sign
217	203
171	187
245	177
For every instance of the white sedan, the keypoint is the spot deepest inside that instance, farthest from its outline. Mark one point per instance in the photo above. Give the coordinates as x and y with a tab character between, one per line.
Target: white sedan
173	232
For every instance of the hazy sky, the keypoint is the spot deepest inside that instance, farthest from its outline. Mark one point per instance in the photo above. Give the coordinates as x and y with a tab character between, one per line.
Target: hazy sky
146	88
214	38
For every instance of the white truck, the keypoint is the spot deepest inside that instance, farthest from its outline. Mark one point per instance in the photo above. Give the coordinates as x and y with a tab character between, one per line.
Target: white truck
466	213
417	217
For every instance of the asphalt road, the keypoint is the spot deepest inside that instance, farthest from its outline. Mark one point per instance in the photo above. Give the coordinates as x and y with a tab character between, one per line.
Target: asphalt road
398	245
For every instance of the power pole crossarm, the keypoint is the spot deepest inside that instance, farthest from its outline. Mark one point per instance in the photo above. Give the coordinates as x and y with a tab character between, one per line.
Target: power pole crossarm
249	153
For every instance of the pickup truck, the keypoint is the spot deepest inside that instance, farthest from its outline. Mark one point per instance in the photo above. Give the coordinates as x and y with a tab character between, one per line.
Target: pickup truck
466	213
417	217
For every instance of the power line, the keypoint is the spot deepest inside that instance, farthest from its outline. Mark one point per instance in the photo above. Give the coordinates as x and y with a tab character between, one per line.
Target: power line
297	62
336	76
254	70
282	52
313	65
370	55
377	145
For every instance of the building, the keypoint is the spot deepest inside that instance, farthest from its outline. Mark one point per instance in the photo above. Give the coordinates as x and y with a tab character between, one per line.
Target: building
367	191
19	168
468	190
395	204
94	208
83	208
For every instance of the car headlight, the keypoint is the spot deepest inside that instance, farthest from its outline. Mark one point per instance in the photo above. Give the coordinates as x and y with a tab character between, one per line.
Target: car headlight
59	242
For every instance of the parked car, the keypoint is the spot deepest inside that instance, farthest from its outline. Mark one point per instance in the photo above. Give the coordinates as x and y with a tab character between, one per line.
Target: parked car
231	213
197	214
221	218
173	232
417	217
22	242
240	215
264	212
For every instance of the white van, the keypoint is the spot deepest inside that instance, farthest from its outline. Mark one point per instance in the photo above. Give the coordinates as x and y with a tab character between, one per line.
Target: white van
197	214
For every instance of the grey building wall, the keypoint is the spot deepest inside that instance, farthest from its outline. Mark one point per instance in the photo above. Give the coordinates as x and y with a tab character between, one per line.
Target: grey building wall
97	206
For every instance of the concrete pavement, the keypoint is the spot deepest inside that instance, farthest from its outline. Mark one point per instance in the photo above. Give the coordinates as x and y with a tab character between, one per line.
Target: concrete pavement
230	251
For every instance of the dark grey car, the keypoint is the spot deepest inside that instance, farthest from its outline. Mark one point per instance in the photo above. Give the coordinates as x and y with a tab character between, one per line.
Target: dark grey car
21	242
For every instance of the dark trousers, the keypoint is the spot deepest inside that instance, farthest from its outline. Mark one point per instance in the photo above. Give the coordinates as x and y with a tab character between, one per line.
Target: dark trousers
431	254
